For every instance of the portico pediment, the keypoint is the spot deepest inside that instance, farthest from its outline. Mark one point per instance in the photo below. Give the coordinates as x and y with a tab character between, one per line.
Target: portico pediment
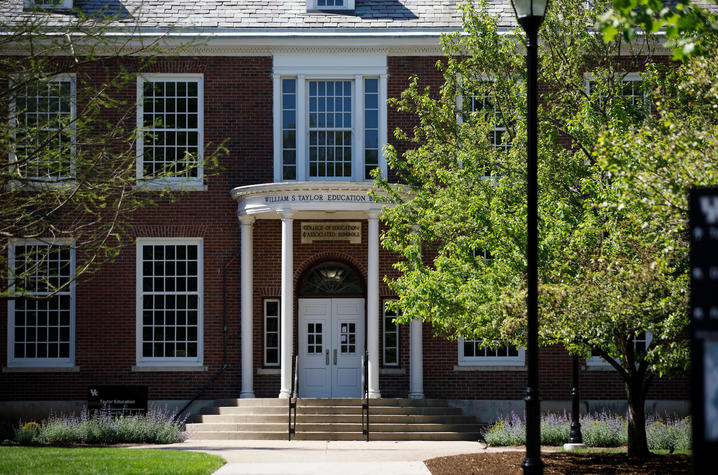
335	200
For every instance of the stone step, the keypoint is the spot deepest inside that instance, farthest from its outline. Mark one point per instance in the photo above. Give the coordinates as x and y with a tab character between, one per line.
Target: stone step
231	435
383	410
302	402
329	427
335	418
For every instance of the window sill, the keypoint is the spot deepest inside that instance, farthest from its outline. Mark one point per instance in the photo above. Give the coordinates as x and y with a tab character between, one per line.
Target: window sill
517	367
170	187
168	368
388	371
599	367
269	371
41	369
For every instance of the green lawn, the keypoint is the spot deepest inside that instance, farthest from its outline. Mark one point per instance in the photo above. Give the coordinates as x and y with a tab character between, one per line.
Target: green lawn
56	460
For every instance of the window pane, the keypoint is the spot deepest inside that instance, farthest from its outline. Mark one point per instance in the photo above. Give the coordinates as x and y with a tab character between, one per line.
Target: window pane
172	331
171	125
330	128
42	327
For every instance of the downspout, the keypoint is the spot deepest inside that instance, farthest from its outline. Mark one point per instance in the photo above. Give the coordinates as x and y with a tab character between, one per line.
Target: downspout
225	365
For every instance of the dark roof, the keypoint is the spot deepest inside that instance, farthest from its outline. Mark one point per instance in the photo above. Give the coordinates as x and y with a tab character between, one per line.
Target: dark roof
247	15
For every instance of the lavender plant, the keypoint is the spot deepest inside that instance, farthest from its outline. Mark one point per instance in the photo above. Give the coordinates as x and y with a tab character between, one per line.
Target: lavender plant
101	427
600	429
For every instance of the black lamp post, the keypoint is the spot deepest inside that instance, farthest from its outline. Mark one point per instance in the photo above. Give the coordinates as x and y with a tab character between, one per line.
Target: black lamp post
575	438
530	15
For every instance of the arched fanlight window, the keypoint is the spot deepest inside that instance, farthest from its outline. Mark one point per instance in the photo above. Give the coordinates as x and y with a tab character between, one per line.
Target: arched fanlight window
331	278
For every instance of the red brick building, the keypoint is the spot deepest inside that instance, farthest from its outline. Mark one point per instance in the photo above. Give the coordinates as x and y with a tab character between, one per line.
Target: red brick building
277	254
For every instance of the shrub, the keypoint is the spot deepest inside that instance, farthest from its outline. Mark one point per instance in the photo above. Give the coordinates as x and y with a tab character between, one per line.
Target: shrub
604	430
28	433
155	427
669	434
599	430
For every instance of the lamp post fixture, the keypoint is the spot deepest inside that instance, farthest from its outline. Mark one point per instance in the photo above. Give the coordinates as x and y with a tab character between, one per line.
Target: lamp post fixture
575	438
530	15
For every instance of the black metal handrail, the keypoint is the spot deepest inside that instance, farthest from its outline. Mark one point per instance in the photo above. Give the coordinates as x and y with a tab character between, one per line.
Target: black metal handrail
293	394
199	393
365	396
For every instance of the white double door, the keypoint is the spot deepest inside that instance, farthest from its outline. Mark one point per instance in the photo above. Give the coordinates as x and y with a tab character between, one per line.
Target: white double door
331	346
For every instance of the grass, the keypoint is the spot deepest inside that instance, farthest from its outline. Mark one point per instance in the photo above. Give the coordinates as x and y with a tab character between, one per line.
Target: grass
56	460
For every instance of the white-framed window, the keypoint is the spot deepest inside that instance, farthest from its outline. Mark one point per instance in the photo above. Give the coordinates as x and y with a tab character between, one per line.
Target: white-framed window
41	327
640	344
170	300
43	114
476	353
632	89
482	103
322	5
329	119
170	142
271	332
391	338
48	4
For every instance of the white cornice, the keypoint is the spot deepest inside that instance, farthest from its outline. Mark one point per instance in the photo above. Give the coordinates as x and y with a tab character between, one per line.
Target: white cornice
334	200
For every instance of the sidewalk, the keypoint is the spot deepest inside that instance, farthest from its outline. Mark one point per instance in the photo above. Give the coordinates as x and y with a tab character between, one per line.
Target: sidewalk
327	457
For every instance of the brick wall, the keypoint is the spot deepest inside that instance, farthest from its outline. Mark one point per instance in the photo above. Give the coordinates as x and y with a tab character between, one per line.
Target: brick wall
238	112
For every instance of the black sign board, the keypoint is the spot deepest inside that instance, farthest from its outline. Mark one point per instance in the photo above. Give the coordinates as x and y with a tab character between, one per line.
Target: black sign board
703	230
117	400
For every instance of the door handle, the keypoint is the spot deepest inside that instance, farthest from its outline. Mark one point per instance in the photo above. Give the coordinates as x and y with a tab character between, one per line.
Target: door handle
335	356
327	357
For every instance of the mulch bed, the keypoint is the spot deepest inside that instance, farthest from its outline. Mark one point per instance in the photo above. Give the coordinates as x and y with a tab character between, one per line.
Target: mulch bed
509	463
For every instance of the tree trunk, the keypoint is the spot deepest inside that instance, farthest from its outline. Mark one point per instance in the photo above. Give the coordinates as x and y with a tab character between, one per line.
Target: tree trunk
637	442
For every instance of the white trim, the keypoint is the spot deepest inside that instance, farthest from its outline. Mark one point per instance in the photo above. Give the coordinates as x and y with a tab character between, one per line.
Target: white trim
169	369
279	335
40	363
60	5
171	183
518	360
277	125
313	6
165	362
383	337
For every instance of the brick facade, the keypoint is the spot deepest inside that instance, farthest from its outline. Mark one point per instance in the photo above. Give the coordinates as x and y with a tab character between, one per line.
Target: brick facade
238	112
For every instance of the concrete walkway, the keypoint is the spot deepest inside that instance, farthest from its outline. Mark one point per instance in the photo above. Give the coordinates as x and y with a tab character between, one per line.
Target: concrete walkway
327	457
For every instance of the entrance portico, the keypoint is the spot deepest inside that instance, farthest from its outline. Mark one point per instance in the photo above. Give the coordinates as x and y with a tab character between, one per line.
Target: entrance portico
325	201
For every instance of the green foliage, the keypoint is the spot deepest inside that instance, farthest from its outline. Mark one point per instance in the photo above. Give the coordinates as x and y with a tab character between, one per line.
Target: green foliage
687	27
27	434
616	159
53	460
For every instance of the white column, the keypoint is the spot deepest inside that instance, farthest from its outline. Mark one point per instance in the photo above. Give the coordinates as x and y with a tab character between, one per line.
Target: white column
247	317
277	117
302	115
358	127
373	303
287	311
416	360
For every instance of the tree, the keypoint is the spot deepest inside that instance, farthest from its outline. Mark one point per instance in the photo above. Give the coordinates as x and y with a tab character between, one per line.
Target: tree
687	27
607	272
72	177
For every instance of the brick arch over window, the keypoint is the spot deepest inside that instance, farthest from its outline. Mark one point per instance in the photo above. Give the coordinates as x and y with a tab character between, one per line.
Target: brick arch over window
308	265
